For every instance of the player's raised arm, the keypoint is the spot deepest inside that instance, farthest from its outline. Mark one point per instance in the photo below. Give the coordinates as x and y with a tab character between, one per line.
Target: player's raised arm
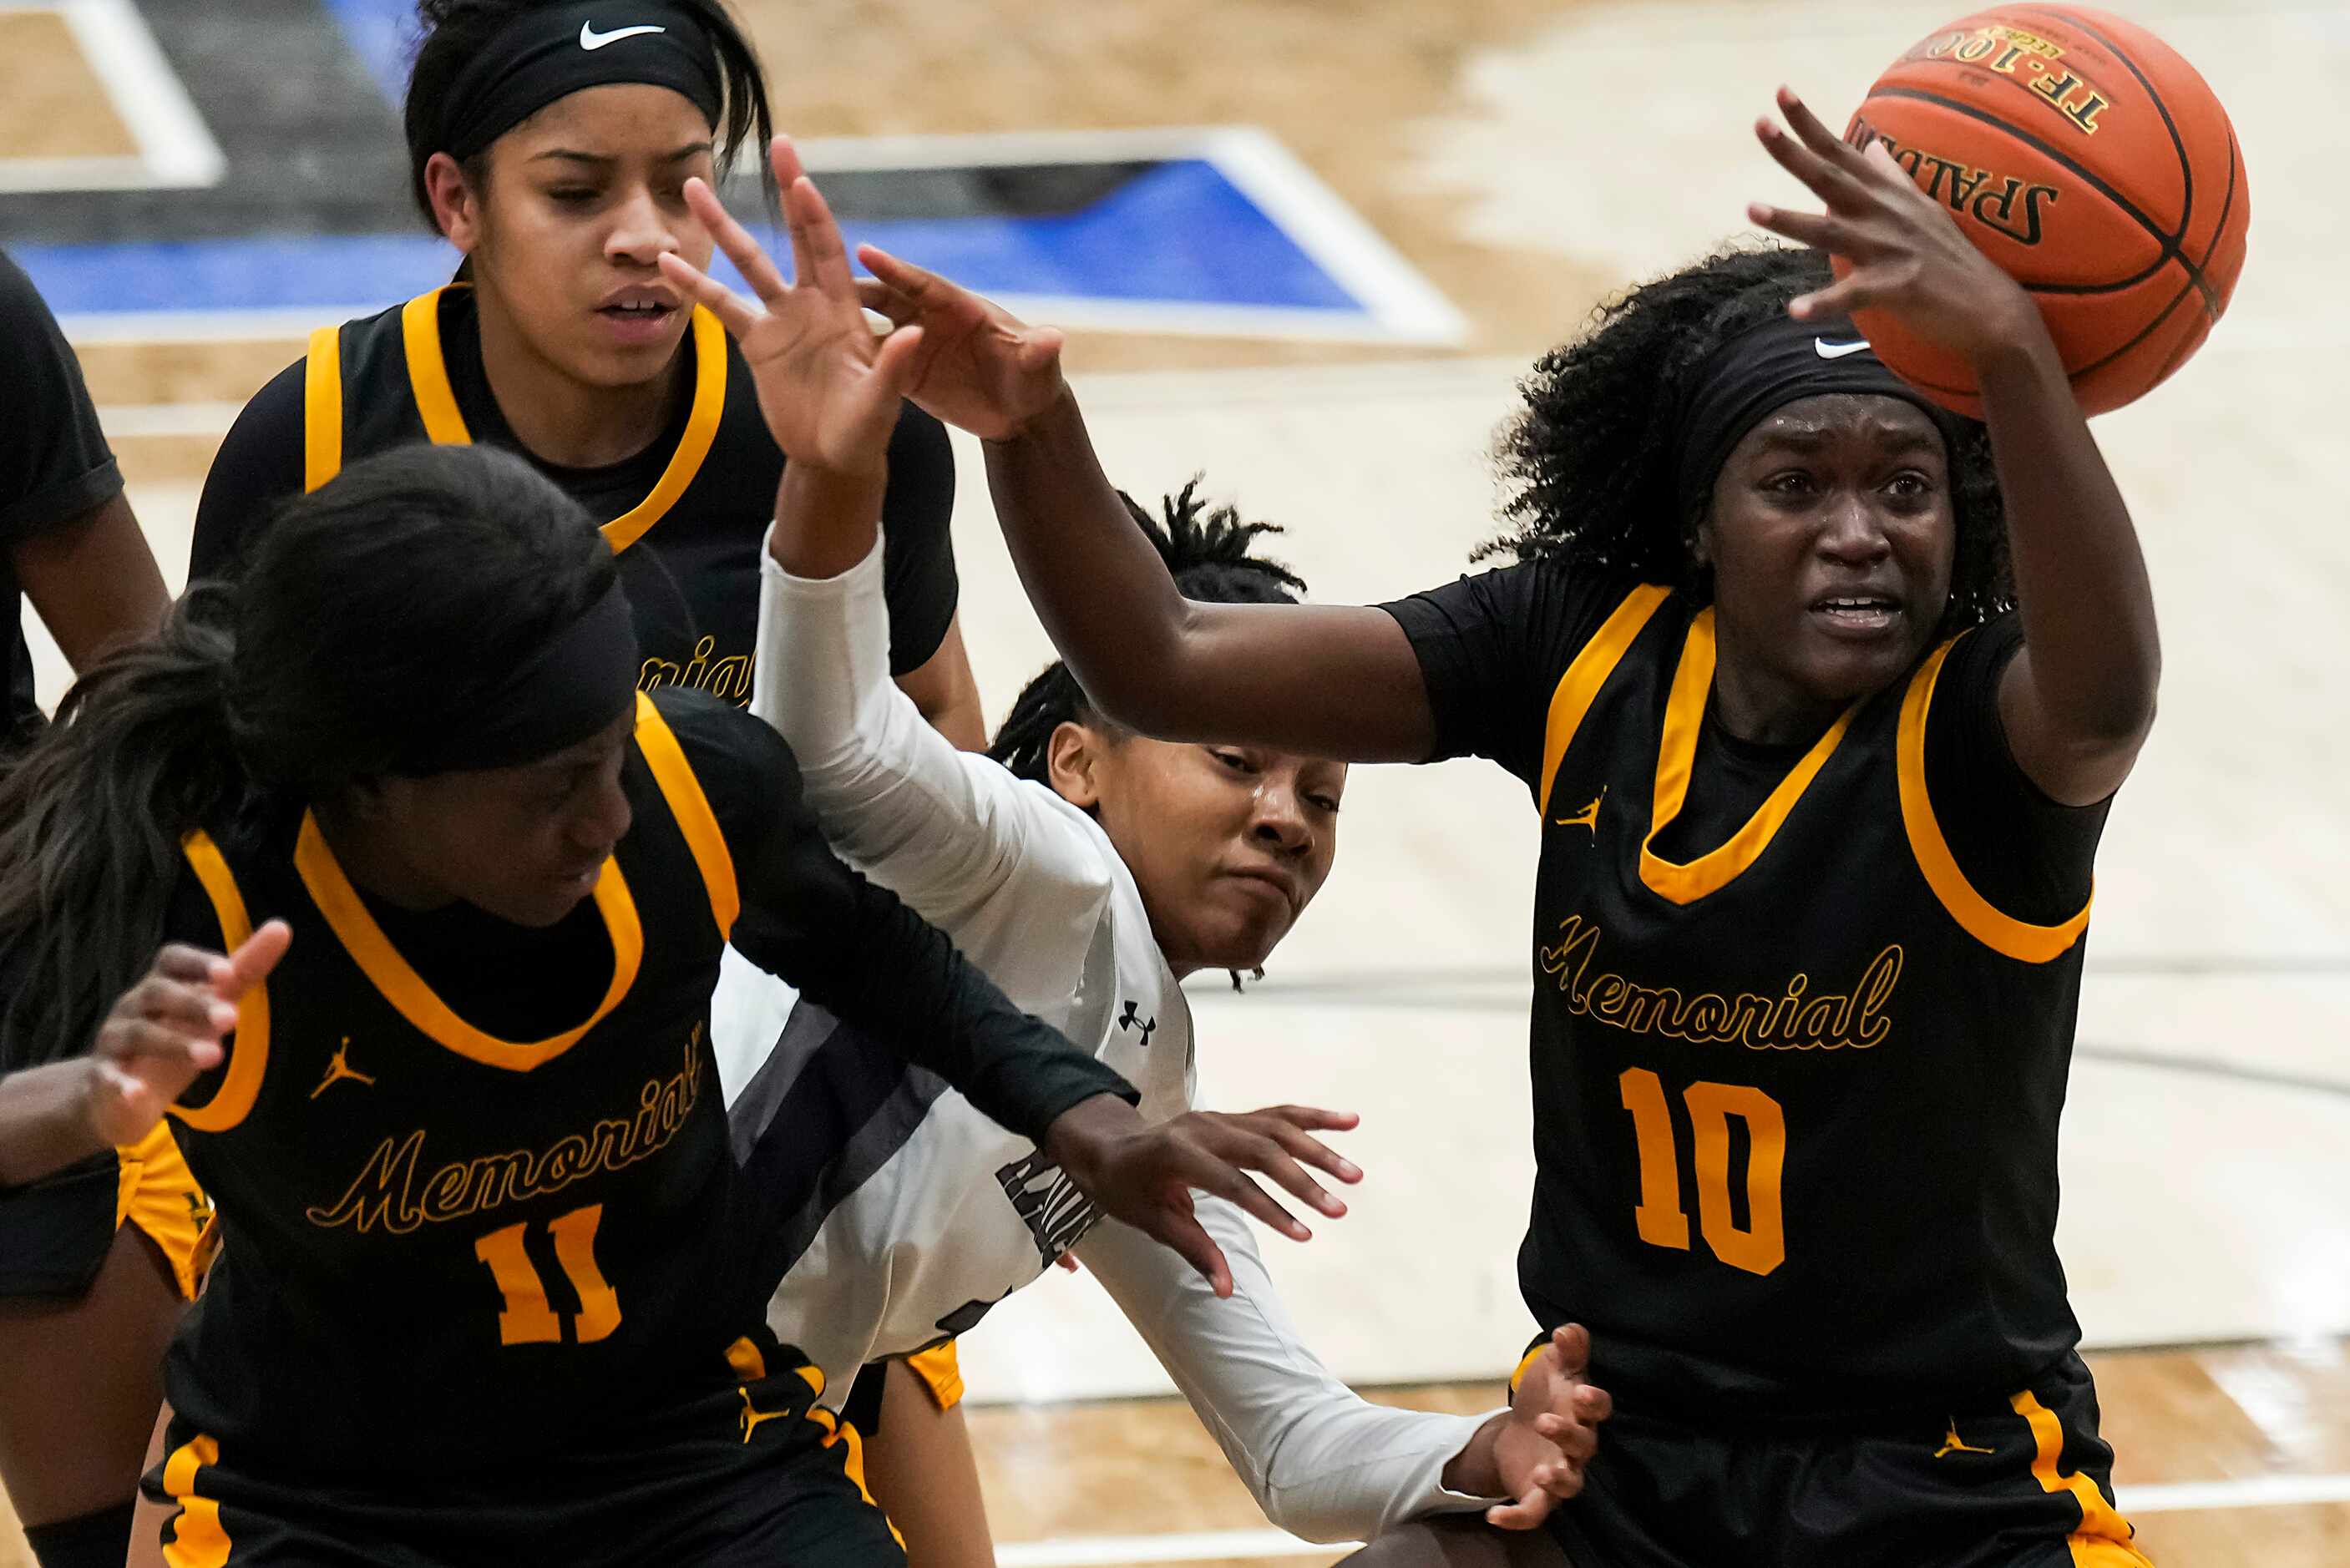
2078	700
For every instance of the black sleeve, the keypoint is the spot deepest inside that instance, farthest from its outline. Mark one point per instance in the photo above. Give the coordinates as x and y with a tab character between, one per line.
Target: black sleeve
259	465
918	564
853	948
1491	648
2029	856
55	464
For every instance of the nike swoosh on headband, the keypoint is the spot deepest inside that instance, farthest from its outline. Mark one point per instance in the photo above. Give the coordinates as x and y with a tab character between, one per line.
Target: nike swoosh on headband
1827	350
589	38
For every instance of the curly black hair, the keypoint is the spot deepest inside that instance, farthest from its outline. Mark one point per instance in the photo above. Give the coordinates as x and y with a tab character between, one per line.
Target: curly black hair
1207	553
1587	465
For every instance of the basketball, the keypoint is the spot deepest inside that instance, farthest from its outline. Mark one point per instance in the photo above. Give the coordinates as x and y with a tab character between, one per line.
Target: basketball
2092	162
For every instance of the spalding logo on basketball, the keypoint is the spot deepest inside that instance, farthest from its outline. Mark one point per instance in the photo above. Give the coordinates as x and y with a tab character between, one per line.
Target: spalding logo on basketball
2082	154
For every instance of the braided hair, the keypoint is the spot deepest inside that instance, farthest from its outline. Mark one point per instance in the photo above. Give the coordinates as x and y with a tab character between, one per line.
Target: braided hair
1207	553
1587	464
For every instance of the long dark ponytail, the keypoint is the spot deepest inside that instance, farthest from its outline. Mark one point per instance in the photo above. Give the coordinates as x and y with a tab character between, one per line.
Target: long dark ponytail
455	31
398	593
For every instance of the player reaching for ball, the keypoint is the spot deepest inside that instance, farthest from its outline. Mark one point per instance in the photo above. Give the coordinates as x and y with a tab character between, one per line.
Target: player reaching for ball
480	1296
1821	693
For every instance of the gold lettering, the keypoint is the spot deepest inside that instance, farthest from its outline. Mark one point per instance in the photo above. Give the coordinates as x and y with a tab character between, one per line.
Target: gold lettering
1796	1020
378	1192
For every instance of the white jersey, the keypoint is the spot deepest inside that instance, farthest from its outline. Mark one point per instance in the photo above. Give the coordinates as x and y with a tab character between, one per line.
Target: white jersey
936	1212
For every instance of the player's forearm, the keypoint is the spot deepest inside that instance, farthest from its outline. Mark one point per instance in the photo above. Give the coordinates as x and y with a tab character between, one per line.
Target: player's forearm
1097	585
44	1122
2081	590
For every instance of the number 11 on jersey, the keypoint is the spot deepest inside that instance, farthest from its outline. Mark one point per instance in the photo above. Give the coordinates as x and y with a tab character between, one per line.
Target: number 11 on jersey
526	1318
1760	1245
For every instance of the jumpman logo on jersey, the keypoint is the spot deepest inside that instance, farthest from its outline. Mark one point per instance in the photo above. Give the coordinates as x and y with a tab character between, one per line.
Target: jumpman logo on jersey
338	1068
1588	816
749	1419
1127	1020
1952	1444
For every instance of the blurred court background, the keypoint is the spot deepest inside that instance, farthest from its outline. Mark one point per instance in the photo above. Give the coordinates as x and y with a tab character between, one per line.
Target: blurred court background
1306	246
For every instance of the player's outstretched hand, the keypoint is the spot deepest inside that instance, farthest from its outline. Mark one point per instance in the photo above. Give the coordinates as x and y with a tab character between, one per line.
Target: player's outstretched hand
167	1029
979	367
829	389
1905	253
1551	1432
1145	1174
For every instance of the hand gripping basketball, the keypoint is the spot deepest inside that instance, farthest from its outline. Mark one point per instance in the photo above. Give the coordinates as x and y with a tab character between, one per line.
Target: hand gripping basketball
1902	253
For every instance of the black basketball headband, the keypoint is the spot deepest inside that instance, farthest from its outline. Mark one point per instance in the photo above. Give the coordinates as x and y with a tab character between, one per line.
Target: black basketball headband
1762	370
575	684
553	51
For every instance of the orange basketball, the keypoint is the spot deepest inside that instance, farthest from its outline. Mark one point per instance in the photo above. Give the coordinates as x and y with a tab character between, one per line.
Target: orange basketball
2082	154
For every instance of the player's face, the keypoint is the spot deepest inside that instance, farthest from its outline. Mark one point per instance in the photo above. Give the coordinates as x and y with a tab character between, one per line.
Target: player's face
524	843
1831	535
1227	844
581	201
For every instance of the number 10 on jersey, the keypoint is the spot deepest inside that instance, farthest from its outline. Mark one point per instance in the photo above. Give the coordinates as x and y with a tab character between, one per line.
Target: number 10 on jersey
1760	1245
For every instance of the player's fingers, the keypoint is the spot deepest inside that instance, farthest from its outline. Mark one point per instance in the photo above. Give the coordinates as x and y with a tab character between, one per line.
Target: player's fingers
1243	1145
1593	1405
1809	130
256	957
1182	1231
783	158
1819	230
875	294
1039	347
898	365
918	286
1307	1149
138	1045
1314	1119
1526	1514
1575	1440
187	1009
129	1105
735	314
749	257
822	258
1214	1173
1856	290
1831	185
1573	1343
177	961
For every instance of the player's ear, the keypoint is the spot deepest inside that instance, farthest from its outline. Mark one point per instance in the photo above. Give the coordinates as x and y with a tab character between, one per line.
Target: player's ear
456	204
1073	760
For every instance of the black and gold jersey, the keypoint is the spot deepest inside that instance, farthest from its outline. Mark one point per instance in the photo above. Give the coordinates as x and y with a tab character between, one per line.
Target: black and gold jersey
686	515
445	1242
1801	1016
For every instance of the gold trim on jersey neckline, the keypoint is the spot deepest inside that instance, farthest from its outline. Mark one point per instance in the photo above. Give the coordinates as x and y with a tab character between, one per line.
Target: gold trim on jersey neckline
249	1054
1685	883
436	401
399	983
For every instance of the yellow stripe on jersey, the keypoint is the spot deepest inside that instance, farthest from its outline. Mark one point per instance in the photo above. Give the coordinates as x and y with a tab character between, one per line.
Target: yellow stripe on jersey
322	409
691	809
1684	712
157	1195
428	373
2103	1539
693	446
2000	933
197	1539
401	986
1573	697
436	401
940	1369
249	1054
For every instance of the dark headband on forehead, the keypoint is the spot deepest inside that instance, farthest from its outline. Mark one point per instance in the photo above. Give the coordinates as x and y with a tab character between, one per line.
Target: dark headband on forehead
581	679
553	51
1762	370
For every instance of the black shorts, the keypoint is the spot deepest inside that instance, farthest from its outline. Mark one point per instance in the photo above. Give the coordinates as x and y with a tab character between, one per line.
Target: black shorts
55	1233
722	1484
2025	1483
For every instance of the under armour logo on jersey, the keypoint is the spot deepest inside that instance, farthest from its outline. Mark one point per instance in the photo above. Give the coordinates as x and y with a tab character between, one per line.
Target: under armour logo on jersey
1827	350
338	1067
1127	1020
589	38
1587	818
1952	1445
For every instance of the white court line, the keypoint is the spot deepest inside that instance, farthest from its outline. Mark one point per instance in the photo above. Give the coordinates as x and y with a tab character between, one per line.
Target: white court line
1221	1545
176	149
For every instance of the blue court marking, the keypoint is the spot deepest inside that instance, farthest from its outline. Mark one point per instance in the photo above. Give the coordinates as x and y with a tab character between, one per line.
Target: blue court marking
383	33
1180	234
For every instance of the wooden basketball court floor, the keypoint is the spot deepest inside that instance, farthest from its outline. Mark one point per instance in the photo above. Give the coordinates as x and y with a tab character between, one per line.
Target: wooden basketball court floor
1522	156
